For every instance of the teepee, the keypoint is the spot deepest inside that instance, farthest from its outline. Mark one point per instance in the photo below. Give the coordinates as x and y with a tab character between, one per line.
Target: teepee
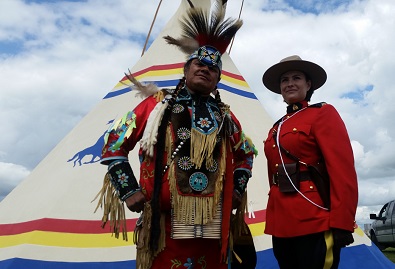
48	221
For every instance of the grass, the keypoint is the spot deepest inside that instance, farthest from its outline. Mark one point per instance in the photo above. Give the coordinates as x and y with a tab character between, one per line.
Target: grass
390	254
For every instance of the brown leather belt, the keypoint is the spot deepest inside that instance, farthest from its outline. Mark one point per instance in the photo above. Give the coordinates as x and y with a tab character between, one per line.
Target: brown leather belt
304	176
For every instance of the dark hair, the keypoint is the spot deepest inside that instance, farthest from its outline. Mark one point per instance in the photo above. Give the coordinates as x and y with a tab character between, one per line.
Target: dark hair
158	172
309	92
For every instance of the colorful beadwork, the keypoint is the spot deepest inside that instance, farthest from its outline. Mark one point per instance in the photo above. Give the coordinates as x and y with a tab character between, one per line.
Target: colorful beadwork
214	167
122	178
177	108
198	181
185	163
183	133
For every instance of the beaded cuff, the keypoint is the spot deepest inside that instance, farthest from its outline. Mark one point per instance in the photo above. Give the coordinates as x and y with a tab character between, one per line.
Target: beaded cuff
123	179
240	179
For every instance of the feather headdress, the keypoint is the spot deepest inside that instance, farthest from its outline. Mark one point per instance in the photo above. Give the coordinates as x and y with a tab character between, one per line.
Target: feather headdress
206	36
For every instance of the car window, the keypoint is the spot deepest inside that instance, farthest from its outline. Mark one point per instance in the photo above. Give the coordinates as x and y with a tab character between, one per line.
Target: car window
391	211
383	211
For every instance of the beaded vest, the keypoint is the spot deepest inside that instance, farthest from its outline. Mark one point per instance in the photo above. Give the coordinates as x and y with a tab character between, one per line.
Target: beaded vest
197	167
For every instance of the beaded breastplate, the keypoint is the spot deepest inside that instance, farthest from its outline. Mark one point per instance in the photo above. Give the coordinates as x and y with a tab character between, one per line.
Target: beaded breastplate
195	174
193	125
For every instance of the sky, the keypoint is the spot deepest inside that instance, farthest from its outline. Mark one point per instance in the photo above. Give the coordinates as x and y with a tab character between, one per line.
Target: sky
58	59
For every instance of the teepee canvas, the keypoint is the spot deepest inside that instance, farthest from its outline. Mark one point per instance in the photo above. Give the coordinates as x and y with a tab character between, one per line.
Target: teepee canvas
48	221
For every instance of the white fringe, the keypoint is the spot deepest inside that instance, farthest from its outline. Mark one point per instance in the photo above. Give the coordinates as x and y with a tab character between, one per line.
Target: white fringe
151	130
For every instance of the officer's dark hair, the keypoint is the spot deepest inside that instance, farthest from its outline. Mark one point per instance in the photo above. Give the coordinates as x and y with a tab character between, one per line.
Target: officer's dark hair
309	92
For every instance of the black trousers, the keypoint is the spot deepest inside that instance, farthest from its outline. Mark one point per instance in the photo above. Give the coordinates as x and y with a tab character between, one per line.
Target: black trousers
313	251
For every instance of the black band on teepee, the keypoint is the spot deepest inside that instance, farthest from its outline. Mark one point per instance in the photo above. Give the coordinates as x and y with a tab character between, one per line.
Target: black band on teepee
123	179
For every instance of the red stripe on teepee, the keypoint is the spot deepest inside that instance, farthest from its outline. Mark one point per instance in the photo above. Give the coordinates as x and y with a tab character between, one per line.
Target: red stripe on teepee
260	216
83	226
156	68
60	225
176	66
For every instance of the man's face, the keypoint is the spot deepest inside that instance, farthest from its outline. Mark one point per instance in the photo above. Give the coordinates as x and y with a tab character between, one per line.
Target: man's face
200	78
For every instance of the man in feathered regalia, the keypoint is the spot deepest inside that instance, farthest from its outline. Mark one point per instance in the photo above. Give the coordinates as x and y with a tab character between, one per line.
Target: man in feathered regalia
195	158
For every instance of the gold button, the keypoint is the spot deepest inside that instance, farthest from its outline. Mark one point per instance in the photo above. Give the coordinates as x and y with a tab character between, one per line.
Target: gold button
288	117
274	145
311	187
294	130
276	165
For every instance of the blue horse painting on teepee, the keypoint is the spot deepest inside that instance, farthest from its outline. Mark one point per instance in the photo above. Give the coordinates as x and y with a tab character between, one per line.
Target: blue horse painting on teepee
93	151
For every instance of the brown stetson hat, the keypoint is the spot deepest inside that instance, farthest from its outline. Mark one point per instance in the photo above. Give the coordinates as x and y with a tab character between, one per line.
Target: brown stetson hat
271	78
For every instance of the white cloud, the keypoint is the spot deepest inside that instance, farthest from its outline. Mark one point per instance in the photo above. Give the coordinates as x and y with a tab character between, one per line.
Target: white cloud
10	176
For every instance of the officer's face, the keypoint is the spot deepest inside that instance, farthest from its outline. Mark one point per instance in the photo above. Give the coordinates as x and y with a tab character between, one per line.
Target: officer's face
294	86
201	79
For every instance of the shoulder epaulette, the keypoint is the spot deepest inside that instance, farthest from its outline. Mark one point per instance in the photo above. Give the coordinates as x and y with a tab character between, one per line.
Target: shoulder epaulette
318	105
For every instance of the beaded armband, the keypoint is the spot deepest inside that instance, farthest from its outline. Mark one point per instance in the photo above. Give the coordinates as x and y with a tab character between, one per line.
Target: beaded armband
123	179
240	180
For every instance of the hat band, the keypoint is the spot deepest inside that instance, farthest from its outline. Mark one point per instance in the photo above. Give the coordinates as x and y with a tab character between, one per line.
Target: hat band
207	55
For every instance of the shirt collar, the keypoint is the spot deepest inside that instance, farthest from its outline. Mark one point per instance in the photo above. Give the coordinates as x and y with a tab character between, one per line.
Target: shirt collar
292	108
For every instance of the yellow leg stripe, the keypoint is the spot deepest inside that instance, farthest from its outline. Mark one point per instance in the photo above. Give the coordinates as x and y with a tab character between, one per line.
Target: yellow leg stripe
329	250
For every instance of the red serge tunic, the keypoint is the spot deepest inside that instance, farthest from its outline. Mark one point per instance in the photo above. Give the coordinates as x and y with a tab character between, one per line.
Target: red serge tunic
310	133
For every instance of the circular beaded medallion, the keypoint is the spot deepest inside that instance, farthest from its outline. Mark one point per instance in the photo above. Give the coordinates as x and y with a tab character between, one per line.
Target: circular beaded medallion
214	167
198	181
184	163
183	133
177	108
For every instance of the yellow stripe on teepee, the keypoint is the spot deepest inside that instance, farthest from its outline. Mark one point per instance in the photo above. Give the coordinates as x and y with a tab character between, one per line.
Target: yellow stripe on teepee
178	71
65	240
257	228
160	73
234	81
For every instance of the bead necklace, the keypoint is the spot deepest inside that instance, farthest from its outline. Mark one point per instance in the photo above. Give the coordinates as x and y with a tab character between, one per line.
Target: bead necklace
173	155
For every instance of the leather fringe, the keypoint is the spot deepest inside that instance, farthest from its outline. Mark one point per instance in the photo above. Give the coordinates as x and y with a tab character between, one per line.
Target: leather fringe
228	187
113	209
144	256
192	210
202	147
169	144
238	226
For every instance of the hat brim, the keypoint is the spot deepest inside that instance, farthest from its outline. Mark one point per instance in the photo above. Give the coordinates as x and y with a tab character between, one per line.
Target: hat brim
271	78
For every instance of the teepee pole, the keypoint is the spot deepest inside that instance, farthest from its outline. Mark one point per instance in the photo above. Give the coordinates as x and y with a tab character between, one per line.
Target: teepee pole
150	29
233	39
